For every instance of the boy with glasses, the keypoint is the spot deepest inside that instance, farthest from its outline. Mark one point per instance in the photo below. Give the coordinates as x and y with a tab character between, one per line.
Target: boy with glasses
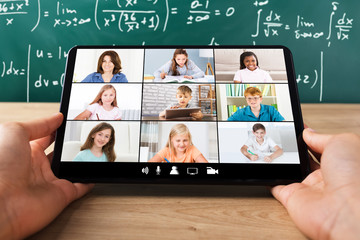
255	111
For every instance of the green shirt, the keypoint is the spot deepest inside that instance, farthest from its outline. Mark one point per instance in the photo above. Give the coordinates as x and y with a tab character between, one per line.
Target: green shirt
87	156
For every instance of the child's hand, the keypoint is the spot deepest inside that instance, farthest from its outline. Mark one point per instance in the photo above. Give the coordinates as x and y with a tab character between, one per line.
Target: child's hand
254	157
175	107
188	77
198	115
267	159
162	75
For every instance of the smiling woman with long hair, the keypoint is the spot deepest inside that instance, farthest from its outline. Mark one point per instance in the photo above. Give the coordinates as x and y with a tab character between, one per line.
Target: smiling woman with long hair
108	70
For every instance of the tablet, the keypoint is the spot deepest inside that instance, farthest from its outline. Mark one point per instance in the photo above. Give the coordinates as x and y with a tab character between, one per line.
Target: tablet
181	112
249	131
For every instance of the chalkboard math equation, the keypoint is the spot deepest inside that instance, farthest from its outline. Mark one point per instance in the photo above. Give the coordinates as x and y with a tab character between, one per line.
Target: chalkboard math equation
40	33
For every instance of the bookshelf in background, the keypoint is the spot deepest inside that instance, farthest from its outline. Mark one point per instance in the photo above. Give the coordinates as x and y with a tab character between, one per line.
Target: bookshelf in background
207	99
235	98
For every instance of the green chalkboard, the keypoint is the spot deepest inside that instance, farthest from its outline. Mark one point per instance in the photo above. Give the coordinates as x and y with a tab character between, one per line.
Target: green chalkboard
36	36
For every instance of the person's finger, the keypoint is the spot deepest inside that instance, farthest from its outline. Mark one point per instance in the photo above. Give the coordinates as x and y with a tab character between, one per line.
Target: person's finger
315	141
42	127
82	189
50	157
45	142
314	178
282	193
314	162
71	191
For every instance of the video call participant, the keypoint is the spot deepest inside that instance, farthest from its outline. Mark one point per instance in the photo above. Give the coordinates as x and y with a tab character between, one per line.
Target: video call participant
183	97
99	145
259	146
255	111
249	70
179	148
108	70
179	65
104	106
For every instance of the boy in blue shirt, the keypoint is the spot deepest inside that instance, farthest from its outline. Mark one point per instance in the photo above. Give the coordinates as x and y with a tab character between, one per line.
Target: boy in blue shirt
255	111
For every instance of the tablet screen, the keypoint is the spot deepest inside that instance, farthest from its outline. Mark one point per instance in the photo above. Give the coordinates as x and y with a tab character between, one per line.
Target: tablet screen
247	127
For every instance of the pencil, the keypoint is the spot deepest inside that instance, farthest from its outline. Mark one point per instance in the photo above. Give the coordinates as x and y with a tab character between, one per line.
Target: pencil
250	152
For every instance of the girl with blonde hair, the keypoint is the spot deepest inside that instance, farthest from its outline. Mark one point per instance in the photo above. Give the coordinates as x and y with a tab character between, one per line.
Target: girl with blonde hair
179	148
103	107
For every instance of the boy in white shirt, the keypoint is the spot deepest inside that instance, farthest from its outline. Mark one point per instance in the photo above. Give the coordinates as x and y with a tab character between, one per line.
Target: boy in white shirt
259	145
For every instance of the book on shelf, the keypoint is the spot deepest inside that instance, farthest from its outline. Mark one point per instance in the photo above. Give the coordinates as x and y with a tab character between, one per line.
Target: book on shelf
237	90
275	106
233	108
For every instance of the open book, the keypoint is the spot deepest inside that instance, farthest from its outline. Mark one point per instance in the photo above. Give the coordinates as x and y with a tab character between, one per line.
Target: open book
177	79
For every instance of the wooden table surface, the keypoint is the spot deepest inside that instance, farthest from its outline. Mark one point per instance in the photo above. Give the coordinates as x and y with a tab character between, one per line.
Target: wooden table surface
124	211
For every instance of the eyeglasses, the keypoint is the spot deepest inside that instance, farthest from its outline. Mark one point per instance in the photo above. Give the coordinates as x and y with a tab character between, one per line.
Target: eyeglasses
252	98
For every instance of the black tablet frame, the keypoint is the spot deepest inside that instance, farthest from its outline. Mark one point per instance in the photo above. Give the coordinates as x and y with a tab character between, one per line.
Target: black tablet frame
258	174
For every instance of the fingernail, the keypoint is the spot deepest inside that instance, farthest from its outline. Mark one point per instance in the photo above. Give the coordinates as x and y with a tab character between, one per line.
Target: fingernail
310	129
58	114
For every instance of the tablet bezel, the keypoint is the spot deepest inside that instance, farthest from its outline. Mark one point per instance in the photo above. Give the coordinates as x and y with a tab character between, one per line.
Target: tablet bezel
268	174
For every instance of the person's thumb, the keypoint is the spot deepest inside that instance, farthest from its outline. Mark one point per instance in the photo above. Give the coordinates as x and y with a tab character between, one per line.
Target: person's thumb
315	141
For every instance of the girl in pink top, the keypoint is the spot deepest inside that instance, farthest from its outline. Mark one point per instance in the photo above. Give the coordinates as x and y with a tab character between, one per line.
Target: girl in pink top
104	106
249	70
179	148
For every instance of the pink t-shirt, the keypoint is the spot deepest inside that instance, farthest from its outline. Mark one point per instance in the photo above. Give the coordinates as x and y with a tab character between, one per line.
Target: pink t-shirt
256	76
98	109
189	157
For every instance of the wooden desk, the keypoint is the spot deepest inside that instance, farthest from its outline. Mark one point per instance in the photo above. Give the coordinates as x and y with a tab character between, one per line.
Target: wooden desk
119	211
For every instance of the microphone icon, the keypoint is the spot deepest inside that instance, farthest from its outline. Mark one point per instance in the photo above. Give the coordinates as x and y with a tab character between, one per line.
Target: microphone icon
158	170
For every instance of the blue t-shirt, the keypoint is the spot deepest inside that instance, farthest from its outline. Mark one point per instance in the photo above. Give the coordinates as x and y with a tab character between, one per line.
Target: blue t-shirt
97	78
87	156
267	114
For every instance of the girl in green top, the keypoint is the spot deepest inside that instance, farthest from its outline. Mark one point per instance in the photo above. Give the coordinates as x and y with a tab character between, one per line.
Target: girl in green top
99	145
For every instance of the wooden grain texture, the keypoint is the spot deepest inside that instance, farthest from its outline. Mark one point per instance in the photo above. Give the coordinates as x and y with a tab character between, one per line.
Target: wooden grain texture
26	111
332	118
123	211
173	212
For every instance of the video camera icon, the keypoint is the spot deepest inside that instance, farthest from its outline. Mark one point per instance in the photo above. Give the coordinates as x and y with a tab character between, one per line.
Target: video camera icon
211	171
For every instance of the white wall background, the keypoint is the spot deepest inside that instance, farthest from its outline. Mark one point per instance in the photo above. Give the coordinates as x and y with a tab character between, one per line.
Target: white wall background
283	101
131	63
233	135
